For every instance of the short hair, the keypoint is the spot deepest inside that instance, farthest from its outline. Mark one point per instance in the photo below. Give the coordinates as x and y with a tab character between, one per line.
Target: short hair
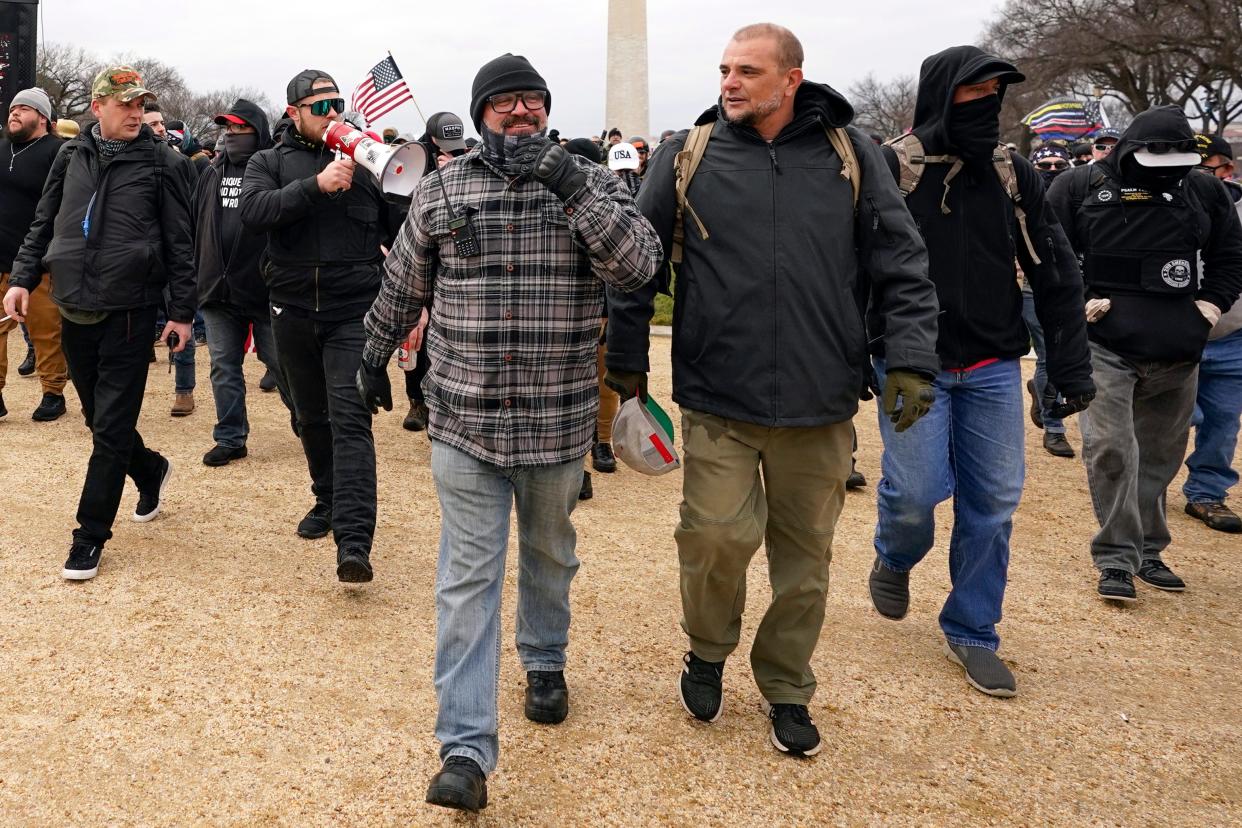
788	47
151	106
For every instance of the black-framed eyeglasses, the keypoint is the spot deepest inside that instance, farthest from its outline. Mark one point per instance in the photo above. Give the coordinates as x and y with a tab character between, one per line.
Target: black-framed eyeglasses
1052	165
1166	147
321	108
506	102
1212	168
1103	147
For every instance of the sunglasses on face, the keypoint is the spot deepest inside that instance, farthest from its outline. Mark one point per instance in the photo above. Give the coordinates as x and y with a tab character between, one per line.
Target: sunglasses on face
1103	147
1212	168
321	108
1166	147
1052	165
507	102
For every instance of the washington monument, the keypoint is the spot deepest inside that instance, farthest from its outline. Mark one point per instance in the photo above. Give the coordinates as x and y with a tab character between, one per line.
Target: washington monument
625	106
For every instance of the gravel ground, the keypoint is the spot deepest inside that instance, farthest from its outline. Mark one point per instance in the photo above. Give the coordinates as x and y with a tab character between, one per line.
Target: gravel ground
217	673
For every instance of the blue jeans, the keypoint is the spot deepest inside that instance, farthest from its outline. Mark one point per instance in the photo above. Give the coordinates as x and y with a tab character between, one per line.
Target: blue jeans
968	447
1051	424
1217	408
183	368
475	501
227	328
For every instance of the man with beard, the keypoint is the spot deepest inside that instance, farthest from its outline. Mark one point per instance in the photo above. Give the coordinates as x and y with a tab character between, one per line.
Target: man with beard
325	221
515	240
26	155
769	356
231	292
1137	219
977	204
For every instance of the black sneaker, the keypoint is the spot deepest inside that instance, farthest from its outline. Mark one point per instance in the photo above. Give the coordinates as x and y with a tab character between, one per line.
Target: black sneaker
353	565
984	670
1057	445
459	784
149	502
1037	413
416	419
586	492
602	458
855	480
4	412
268	382
1216	515
1117	585
51	408
890	591
317	523
83	562
547	696
223	455
700	687
28	364
1153	572
792	732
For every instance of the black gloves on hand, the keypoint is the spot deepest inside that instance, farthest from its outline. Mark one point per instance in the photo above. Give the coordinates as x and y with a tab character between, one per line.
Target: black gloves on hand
550	165
627	384
1058	407
374	387
916	397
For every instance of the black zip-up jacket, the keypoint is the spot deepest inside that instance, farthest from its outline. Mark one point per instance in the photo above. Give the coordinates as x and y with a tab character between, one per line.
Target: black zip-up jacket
972	249
1145	325
138	239
767	324
229	276
323	248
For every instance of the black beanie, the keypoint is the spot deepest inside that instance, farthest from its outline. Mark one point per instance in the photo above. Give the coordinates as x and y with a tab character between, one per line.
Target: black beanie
584	147
507	73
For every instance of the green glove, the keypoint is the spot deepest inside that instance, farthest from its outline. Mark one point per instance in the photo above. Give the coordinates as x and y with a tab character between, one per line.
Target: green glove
916	397
627	384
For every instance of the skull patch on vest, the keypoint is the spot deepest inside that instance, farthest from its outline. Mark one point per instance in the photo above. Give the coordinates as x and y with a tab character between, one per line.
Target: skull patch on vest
1176	274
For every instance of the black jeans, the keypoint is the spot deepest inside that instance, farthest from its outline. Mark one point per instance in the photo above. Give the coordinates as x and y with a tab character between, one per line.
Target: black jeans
108	365
319	361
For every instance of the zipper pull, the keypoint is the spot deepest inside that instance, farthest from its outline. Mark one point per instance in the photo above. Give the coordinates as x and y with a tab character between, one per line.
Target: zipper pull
772	154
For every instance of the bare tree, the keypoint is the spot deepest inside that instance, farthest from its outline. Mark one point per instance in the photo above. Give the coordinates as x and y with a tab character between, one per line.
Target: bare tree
883	107
65	73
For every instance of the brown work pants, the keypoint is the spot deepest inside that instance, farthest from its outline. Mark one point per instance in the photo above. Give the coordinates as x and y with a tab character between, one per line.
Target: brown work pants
43	323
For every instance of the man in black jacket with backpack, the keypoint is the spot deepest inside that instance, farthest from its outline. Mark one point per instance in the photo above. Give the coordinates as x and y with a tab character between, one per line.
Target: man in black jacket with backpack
112	228
325	221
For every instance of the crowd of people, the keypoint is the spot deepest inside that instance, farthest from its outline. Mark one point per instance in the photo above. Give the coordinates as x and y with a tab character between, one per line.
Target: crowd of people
813	267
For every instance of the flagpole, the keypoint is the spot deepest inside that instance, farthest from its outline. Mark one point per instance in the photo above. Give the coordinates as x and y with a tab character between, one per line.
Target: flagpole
413	100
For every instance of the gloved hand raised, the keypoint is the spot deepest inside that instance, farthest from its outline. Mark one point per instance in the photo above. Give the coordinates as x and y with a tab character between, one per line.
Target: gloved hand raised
627	384
550	165
374	387
916	394
1059	407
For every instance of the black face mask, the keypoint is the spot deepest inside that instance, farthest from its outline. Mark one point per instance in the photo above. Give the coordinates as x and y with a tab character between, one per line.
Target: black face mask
1048	175
1158	179
239	147
974	127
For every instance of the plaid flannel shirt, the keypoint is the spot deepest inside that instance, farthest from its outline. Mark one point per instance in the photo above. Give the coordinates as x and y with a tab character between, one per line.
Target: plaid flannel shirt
513	330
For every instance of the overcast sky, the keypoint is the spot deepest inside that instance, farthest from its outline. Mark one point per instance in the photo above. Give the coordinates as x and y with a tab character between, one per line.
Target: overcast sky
263	44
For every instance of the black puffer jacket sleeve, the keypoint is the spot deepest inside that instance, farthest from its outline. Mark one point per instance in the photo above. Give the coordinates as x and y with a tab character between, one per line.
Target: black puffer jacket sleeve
1057	286
177	235
28	264
895	259
265	204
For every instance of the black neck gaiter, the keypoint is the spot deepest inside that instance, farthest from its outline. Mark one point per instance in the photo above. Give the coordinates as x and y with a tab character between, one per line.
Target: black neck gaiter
238	148
974	127
499	148
1157	179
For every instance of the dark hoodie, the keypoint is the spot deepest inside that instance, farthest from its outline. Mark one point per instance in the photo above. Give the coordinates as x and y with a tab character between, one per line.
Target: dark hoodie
1137	230
766	327
972	248
227	256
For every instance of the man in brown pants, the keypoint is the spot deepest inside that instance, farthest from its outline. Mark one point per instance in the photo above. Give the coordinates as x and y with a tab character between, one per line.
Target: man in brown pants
26	155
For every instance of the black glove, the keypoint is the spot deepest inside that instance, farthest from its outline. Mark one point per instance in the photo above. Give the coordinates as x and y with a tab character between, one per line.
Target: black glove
374	387
916	394
550	165
627	384
1058	407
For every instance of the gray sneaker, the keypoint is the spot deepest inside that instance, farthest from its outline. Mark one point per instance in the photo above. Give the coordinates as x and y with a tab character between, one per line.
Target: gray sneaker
890	591
984	670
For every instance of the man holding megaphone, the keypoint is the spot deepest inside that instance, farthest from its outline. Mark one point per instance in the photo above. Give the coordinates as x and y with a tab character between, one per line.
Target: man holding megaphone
325	220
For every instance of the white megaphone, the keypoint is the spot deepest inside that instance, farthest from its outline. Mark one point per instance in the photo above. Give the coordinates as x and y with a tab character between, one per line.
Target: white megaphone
398	168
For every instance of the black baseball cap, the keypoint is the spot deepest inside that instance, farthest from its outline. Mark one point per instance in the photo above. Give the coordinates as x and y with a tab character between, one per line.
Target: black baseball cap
1209	145
301	85
447	131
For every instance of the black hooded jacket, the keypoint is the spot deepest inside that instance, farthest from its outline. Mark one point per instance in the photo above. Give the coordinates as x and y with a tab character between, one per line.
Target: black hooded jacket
972	248
1196	213
229	271
323	249
767	326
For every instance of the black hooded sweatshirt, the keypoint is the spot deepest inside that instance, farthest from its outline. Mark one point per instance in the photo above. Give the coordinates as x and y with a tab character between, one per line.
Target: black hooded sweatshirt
1146	324
767	327
228	256
972	249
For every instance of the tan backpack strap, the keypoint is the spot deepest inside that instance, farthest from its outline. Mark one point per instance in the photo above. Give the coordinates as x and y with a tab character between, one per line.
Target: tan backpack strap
850	170
948	179
909	151
684	166
1002	161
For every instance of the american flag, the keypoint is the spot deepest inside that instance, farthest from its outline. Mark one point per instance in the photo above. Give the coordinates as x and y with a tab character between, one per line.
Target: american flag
381	91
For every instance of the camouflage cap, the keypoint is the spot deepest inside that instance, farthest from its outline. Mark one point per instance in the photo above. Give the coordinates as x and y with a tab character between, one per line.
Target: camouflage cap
122	81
